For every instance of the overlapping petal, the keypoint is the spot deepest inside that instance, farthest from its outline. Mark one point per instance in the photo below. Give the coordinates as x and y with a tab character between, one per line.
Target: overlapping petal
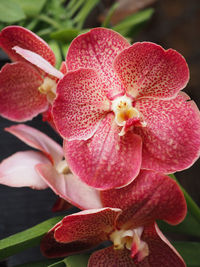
97	50
161	253
107	160
18	36
20	99
38	61
108	257
151	196
146	69
18	170
82	230
38	140
70	188
80	105
171	138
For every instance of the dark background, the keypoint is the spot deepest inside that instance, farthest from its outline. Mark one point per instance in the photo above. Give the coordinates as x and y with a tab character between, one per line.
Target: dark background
175	24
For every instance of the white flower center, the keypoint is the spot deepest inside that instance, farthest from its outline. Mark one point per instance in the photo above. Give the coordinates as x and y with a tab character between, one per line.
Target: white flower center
124	111
131	240
48	88
62	167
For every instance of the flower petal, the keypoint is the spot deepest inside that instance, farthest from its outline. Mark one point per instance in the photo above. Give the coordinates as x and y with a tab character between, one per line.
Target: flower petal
161	252
151	196
97	50
78	232
66	187
146	69
19	170
80	105
171	139
109	257
38	61
94	224
52	249
107	160
20	99
16	35
38	140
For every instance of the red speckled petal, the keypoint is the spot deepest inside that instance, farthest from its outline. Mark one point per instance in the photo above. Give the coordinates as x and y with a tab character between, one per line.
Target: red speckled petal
70	188
151	196
146	69
161	252
171	139
109	257
94	224
16	35
97	50
38	140
80	105
106	160
20	99
63	67
19	170
52	249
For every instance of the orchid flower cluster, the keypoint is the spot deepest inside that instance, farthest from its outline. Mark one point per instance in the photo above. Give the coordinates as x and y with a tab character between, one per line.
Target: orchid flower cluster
125	125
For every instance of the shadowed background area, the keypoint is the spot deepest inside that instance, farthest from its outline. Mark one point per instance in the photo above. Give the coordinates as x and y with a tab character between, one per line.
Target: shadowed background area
175	24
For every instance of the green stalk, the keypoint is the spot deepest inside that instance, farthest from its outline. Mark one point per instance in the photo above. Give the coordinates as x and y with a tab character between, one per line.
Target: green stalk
50	21
106	22
192	206
75	7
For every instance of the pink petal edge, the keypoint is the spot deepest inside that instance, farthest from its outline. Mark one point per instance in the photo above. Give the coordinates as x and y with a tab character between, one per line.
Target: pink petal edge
38	140
38	61
18	170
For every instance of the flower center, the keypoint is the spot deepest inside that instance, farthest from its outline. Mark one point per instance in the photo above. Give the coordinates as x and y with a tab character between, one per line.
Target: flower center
48	88
125	114
62	167
131	240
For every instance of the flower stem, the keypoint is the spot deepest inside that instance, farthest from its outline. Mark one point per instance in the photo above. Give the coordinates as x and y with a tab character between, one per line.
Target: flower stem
192	206
50	21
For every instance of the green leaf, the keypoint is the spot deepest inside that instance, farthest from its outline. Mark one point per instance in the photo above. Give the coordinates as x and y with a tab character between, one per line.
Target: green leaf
188	227
190	251
10	11
65	35
57	51
192	206
31	7
26	239
77	260
58	264
106	21
44	263
132	21
84	12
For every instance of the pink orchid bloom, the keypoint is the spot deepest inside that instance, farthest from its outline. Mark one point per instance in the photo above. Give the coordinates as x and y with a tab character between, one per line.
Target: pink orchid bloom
45	168
120	109
128	220
25	90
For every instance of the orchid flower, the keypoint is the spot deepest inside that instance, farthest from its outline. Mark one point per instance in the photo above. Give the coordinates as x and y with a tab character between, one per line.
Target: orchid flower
127	218
45	168
25	90
120	109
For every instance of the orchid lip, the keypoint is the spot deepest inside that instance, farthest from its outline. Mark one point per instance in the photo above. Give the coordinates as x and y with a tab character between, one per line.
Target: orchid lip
124	111
49	89
131	240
